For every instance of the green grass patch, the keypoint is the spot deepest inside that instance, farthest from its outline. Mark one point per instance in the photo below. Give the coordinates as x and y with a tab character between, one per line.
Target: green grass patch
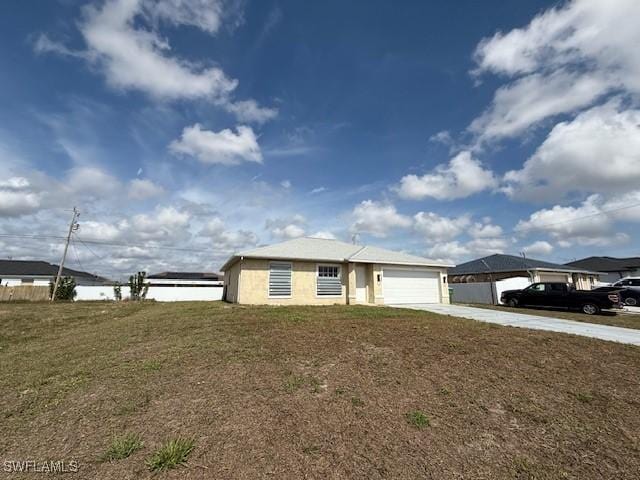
172	454
417	419
357	402
122	447
584	397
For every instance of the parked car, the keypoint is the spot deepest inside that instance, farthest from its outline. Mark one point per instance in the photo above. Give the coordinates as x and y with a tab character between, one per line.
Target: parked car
562	295
627	295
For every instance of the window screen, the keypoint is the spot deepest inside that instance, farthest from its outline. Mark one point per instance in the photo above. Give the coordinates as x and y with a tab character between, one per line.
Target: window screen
280	280
329	280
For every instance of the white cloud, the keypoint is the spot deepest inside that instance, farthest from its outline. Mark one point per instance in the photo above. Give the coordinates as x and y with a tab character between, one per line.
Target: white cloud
323	234
143	188
598	151
91	181
462	177
224	147
377	218
437	228
487	246
539	247
124	43
534	98
586	224
318	190
562	61
485	230
166	223
448	251
17	202
228	240
285	184
250	111
286	228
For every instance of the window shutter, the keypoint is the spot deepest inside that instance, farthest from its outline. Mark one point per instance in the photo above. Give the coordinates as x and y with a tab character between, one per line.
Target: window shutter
328	281
280	280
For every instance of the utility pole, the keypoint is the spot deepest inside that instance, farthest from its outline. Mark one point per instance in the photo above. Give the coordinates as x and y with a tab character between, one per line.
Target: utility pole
73	226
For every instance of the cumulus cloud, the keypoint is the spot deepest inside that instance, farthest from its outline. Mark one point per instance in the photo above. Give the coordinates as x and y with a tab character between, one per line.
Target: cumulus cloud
323	234
461	177
144	188
378	219
587	224
123	42
286	228
485	230
436	228
540	247
91	181
224	147
563	60
228	240
598	151
17	197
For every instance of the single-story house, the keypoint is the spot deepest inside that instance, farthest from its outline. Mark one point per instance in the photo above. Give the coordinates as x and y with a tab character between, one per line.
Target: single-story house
499	267
39	273
613	269
314	271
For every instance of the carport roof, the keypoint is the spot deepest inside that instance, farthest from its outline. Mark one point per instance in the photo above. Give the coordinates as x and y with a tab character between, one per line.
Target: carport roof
510	263
325	250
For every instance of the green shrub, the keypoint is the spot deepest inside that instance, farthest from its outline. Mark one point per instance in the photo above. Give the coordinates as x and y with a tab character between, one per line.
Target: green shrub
417	419
171	454
122	447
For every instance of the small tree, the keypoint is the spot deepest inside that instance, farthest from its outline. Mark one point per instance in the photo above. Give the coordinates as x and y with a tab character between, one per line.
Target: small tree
117	292
66	289
137	286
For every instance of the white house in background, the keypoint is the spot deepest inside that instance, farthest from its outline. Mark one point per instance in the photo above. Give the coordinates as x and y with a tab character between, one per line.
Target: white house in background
38	273
185	286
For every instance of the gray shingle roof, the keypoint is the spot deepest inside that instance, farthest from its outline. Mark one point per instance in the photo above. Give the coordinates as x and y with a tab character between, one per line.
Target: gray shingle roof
38	268
508	263
607	264
320	249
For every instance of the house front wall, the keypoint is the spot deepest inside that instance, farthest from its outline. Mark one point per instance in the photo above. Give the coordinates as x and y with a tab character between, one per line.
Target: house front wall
254	284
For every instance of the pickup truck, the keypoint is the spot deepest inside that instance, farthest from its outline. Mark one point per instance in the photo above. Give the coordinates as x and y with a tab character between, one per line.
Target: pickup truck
562	295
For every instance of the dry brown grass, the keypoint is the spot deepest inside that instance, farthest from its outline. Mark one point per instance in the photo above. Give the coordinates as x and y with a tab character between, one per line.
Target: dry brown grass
313	392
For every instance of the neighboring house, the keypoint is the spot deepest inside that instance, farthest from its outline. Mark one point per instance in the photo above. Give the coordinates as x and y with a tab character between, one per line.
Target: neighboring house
313	271
613	269
38	273
185	279
483	280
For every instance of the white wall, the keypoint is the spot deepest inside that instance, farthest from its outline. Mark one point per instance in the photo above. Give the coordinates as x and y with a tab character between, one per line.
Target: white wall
179	294
514	283
160	294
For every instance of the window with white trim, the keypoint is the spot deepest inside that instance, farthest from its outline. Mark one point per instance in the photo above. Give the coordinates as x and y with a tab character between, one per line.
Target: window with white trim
328	282
280	280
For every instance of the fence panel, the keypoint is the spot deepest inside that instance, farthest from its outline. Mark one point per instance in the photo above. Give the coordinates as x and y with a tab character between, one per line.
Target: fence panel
24	292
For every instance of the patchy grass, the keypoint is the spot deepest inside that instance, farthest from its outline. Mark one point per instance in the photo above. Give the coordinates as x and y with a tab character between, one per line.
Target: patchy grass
417	419
171	454
122	447
315	392
616	319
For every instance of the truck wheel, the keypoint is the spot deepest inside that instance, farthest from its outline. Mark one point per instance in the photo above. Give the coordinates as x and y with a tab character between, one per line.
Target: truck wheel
630	301
590	308
513	303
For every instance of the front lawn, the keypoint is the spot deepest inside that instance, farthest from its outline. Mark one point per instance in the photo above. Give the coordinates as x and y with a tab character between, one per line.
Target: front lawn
208	390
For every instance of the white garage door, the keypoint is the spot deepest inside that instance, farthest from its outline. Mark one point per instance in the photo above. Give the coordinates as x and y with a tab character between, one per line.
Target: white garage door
410	286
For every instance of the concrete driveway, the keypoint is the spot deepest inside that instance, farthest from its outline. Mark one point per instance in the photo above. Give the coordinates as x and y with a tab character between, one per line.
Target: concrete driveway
513	319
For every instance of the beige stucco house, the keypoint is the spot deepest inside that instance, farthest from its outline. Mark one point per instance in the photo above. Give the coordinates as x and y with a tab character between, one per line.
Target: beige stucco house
313	271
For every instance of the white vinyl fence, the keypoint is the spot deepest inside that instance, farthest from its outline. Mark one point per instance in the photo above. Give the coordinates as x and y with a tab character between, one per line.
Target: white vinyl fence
160	294
486	292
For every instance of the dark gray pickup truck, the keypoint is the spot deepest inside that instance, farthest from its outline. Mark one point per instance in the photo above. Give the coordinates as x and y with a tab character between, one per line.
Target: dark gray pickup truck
562	295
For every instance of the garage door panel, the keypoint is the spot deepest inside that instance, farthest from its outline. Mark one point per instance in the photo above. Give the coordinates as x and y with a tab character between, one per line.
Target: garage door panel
410	286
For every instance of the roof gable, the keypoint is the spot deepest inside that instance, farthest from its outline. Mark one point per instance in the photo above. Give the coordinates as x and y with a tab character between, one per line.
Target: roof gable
507	263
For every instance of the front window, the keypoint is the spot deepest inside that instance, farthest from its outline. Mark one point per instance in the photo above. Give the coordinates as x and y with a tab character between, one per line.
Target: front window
536	287
328	281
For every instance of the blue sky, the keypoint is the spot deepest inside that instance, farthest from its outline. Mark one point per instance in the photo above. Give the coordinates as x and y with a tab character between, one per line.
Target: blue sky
450	130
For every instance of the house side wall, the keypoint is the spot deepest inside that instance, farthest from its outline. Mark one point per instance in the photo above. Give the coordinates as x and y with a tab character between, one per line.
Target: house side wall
254	284
231	280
